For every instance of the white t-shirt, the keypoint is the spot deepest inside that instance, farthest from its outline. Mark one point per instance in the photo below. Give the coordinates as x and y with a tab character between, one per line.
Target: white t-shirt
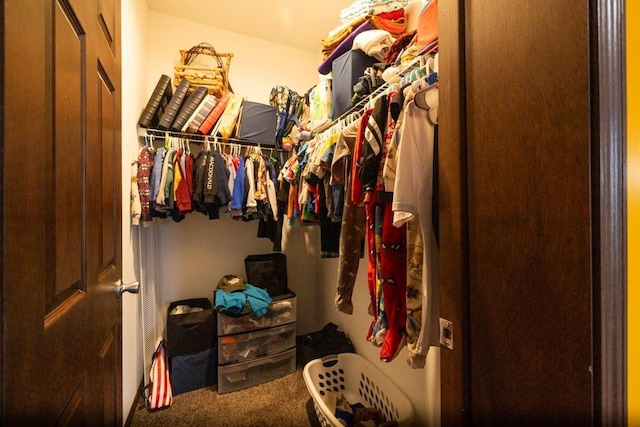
413	195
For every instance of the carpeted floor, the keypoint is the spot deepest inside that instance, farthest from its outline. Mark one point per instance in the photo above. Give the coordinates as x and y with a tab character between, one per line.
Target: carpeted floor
281	402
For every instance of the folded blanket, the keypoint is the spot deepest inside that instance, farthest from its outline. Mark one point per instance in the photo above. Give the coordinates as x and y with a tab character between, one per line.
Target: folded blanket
335	37
371	7
374	43
394	22
346	45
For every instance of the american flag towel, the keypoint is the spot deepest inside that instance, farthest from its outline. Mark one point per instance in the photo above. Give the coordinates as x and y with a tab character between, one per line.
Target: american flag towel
160	395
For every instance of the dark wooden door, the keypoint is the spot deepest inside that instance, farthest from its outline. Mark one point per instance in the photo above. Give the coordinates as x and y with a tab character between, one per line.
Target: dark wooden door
529	204
524	183
61	196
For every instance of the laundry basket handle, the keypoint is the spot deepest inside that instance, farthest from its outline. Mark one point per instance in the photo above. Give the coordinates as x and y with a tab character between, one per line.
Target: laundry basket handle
330	360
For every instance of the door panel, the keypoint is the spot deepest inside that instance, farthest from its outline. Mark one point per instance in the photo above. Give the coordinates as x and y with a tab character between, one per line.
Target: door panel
107	13
108	170
529	200
62	221
521	216
68	112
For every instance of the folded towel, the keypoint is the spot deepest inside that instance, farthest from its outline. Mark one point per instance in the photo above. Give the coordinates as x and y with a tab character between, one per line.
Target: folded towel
374	43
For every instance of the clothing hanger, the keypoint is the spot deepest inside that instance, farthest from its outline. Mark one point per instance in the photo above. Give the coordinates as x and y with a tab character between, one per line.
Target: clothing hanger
427	99
273	159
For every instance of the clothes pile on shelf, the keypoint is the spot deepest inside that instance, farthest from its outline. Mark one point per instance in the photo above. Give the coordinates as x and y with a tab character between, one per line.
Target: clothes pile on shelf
371	46
199	106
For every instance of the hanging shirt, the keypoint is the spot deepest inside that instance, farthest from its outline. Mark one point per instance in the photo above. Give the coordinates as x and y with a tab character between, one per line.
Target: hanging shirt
145	165
238	189
413	196
353	220
200	168
135	194
156	176
185	188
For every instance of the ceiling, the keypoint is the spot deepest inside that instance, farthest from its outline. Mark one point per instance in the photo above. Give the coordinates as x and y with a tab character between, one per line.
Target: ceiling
297	23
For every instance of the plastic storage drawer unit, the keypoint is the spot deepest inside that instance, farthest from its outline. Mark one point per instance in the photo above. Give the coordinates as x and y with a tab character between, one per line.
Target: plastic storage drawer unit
239	376
242	347
281	311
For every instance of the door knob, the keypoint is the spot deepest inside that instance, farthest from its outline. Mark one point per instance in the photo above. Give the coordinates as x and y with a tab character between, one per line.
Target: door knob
133	287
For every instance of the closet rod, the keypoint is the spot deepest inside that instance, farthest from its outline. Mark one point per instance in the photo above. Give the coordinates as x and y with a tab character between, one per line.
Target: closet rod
199	138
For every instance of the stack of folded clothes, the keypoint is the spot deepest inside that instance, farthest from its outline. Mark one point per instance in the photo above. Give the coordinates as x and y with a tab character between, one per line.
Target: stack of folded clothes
234	297
387	26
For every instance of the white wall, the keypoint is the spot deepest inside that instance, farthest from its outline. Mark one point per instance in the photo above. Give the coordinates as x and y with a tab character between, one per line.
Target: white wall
196	252
256	66
134	95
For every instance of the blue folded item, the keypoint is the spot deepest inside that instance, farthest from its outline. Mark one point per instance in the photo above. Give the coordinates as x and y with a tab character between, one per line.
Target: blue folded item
258	298
230	302
250	300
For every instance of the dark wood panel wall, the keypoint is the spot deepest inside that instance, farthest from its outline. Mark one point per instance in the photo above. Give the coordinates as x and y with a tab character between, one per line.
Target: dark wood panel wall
531	248
529	196
453	211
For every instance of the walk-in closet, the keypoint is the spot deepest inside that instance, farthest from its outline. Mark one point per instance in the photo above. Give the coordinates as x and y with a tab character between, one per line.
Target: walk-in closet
185	258
403	212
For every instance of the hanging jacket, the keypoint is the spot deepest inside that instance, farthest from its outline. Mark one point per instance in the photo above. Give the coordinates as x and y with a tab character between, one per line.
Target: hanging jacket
238	190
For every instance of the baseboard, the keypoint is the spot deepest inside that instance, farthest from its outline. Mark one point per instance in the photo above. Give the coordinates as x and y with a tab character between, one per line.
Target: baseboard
135	404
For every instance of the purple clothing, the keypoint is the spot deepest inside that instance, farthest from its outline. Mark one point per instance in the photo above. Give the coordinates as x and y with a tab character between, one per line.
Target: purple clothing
344	46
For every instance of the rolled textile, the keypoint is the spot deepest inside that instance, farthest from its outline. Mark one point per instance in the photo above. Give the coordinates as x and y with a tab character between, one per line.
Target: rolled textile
398	46
395	27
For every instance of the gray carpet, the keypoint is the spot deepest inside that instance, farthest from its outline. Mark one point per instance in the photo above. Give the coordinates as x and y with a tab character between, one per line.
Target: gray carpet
281	402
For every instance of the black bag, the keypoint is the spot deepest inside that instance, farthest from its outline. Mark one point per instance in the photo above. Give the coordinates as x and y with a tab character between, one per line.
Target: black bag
268	271
191	332
326	341
193	371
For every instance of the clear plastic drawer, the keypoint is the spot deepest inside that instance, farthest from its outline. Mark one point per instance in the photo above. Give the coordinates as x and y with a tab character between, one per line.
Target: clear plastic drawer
242	347
280	312
239	376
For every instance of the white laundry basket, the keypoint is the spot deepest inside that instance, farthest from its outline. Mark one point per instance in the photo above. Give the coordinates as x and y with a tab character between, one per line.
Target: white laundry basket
360	382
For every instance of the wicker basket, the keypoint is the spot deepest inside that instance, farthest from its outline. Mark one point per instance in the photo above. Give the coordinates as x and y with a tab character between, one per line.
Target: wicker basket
360	382
204	67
